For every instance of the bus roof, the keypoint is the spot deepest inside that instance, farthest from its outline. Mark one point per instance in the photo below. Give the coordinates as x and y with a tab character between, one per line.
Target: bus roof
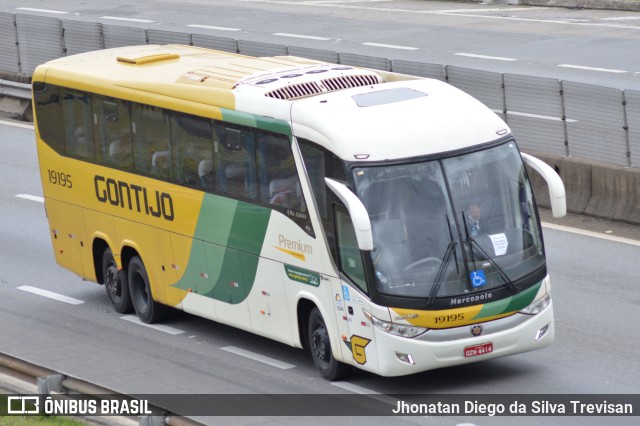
358	114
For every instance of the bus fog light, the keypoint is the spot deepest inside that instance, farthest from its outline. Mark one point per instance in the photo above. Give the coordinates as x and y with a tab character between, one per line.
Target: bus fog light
542	332
406	358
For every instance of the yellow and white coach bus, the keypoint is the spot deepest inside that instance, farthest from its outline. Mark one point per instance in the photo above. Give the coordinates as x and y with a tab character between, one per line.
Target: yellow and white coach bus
383	221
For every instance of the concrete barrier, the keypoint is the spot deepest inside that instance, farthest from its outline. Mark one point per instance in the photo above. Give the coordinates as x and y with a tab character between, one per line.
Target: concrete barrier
594	189
615	194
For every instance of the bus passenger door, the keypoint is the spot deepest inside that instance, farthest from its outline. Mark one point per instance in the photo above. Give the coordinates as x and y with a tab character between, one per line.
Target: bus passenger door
354	290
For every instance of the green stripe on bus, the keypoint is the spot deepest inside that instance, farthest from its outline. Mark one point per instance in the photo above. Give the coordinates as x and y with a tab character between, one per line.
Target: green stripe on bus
252	120
510	304
227	243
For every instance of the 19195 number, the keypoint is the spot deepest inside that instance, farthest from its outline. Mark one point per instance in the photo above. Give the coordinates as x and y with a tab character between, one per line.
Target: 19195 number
449	318
59	178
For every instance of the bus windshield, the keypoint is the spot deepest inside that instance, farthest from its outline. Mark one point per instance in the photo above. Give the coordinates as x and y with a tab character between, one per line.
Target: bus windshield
452	226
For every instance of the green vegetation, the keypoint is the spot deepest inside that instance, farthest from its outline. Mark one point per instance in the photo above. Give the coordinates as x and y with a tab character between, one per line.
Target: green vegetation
39	421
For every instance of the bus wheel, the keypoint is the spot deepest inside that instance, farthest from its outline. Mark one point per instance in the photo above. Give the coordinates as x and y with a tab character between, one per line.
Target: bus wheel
115	284
147	309
320	345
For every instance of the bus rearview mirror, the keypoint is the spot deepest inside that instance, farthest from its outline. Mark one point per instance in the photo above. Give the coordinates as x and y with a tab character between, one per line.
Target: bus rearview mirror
357	211
556	187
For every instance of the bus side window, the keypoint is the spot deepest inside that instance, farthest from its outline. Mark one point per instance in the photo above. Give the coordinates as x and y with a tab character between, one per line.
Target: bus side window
113	122
349	254
314	161
76	113
235	154
48	108
151	150
193	150
320	164
278	177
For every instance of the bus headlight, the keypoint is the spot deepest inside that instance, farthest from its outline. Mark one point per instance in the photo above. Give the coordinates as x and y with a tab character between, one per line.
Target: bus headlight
537	306
401	330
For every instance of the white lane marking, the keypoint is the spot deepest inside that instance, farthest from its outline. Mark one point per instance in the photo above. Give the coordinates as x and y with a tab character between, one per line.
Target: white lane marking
117	18
50	295
621	18
364	391
211	27
591	234
462	12
257	357
582	67
391	46
30	197
541	21
31	9
164	328
308	37
340	3
14	124
494	58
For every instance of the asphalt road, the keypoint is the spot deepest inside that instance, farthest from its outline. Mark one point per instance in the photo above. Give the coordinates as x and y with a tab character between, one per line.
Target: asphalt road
595	291
593	46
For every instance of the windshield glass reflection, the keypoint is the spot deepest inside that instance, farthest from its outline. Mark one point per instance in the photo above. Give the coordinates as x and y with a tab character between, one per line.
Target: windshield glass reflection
450	227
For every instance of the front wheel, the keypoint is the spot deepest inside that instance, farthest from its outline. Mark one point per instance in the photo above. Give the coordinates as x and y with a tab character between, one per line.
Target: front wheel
115	283
147	309
320	345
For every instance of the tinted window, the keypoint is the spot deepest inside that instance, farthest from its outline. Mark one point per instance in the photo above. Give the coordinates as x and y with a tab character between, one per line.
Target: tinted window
235	152
193	147
113	131
151	149
76	111
49	115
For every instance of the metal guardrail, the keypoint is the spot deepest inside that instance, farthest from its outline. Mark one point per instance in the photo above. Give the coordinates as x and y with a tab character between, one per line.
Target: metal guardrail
50	382
559	117
15	90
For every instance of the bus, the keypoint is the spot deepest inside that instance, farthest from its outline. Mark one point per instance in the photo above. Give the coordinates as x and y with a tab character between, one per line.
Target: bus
380	221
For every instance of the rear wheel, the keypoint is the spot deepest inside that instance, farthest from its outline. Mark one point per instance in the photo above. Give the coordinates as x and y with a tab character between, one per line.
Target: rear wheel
115	284
320	345
147	309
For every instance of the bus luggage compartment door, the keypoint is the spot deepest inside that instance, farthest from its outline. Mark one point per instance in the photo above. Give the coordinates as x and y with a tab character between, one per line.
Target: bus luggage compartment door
66	225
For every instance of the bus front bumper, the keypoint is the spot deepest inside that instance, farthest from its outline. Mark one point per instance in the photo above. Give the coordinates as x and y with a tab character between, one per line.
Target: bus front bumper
399	356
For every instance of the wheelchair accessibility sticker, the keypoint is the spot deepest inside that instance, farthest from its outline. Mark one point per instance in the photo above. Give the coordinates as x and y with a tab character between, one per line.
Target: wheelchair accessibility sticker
478	278
345	294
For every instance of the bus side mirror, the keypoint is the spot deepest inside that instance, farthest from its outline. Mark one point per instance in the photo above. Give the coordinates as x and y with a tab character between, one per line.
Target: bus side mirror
357	211
556	187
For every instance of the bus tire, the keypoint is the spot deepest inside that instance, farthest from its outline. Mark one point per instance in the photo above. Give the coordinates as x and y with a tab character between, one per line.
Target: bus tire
147	309
320	346
115	283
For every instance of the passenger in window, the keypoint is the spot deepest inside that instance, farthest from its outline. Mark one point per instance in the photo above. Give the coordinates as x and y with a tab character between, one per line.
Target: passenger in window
81	145
160	163
120	154
190	172
285	193
206	174
473	219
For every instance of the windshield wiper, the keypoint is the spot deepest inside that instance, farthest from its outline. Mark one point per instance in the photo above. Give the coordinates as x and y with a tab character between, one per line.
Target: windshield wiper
473	243
451	251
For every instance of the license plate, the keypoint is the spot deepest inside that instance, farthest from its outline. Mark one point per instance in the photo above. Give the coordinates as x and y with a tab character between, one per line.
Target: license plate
475	350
